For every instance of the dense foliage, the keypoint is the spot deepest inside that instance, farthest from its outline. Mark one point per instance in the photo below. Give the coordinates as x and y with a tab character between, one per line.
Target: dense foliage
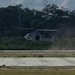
50	17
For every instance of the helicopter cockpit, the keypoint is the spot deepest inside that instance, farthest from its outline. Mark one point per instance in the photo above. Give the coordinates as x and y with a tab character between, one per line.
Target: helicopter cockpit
35	36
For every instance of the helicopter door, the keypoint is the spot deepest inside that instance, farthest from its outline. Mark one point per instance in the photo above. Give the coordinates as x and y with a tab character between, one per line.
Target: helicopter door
37	38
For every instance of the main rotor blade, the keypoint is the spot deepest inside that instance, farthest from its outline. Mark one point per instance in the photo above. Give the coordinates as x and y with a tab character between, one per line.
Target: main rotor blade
46	30
23	28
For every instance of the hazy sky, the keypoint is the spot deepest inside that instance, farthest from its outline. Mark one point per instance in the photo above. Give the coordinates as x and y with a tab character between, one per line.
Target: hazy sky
38	4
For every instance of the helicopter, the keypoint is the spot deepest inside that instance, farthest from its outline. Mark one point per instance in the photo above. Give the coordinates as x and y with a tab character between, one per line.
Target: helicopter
36	35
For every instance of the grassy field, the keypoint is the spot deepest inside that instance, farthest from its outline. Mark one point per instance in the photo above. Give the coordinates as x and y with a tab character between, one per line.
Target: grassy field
19	43
16	43
37	72
37	55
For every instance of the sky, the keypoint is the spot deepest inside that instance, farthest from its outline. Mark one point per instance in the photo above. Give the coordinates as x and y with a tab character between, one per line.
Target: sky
39	4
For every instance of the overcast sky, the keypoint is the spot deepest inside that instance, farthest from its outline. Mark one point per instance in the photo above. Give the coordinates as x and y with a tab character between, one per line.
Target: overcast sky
38	4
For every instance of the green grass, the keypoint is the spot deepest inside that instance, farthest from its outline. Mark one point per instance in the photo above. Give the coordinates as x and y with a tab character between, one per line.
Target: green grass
21	44
36	72
16	43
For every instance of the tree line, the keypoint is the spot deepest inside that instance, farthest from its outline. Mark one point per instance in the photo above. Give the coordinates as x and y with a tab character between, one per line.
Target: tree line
50	17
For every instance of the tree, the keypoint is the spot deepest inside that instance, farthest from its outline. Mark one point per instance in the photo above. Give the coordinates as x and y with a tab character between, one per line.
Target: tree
49	10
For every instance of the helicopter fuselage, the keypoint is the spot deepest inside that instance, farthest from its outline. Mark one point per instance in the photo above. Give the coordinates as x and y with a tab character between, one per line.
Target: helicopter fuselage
36	36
